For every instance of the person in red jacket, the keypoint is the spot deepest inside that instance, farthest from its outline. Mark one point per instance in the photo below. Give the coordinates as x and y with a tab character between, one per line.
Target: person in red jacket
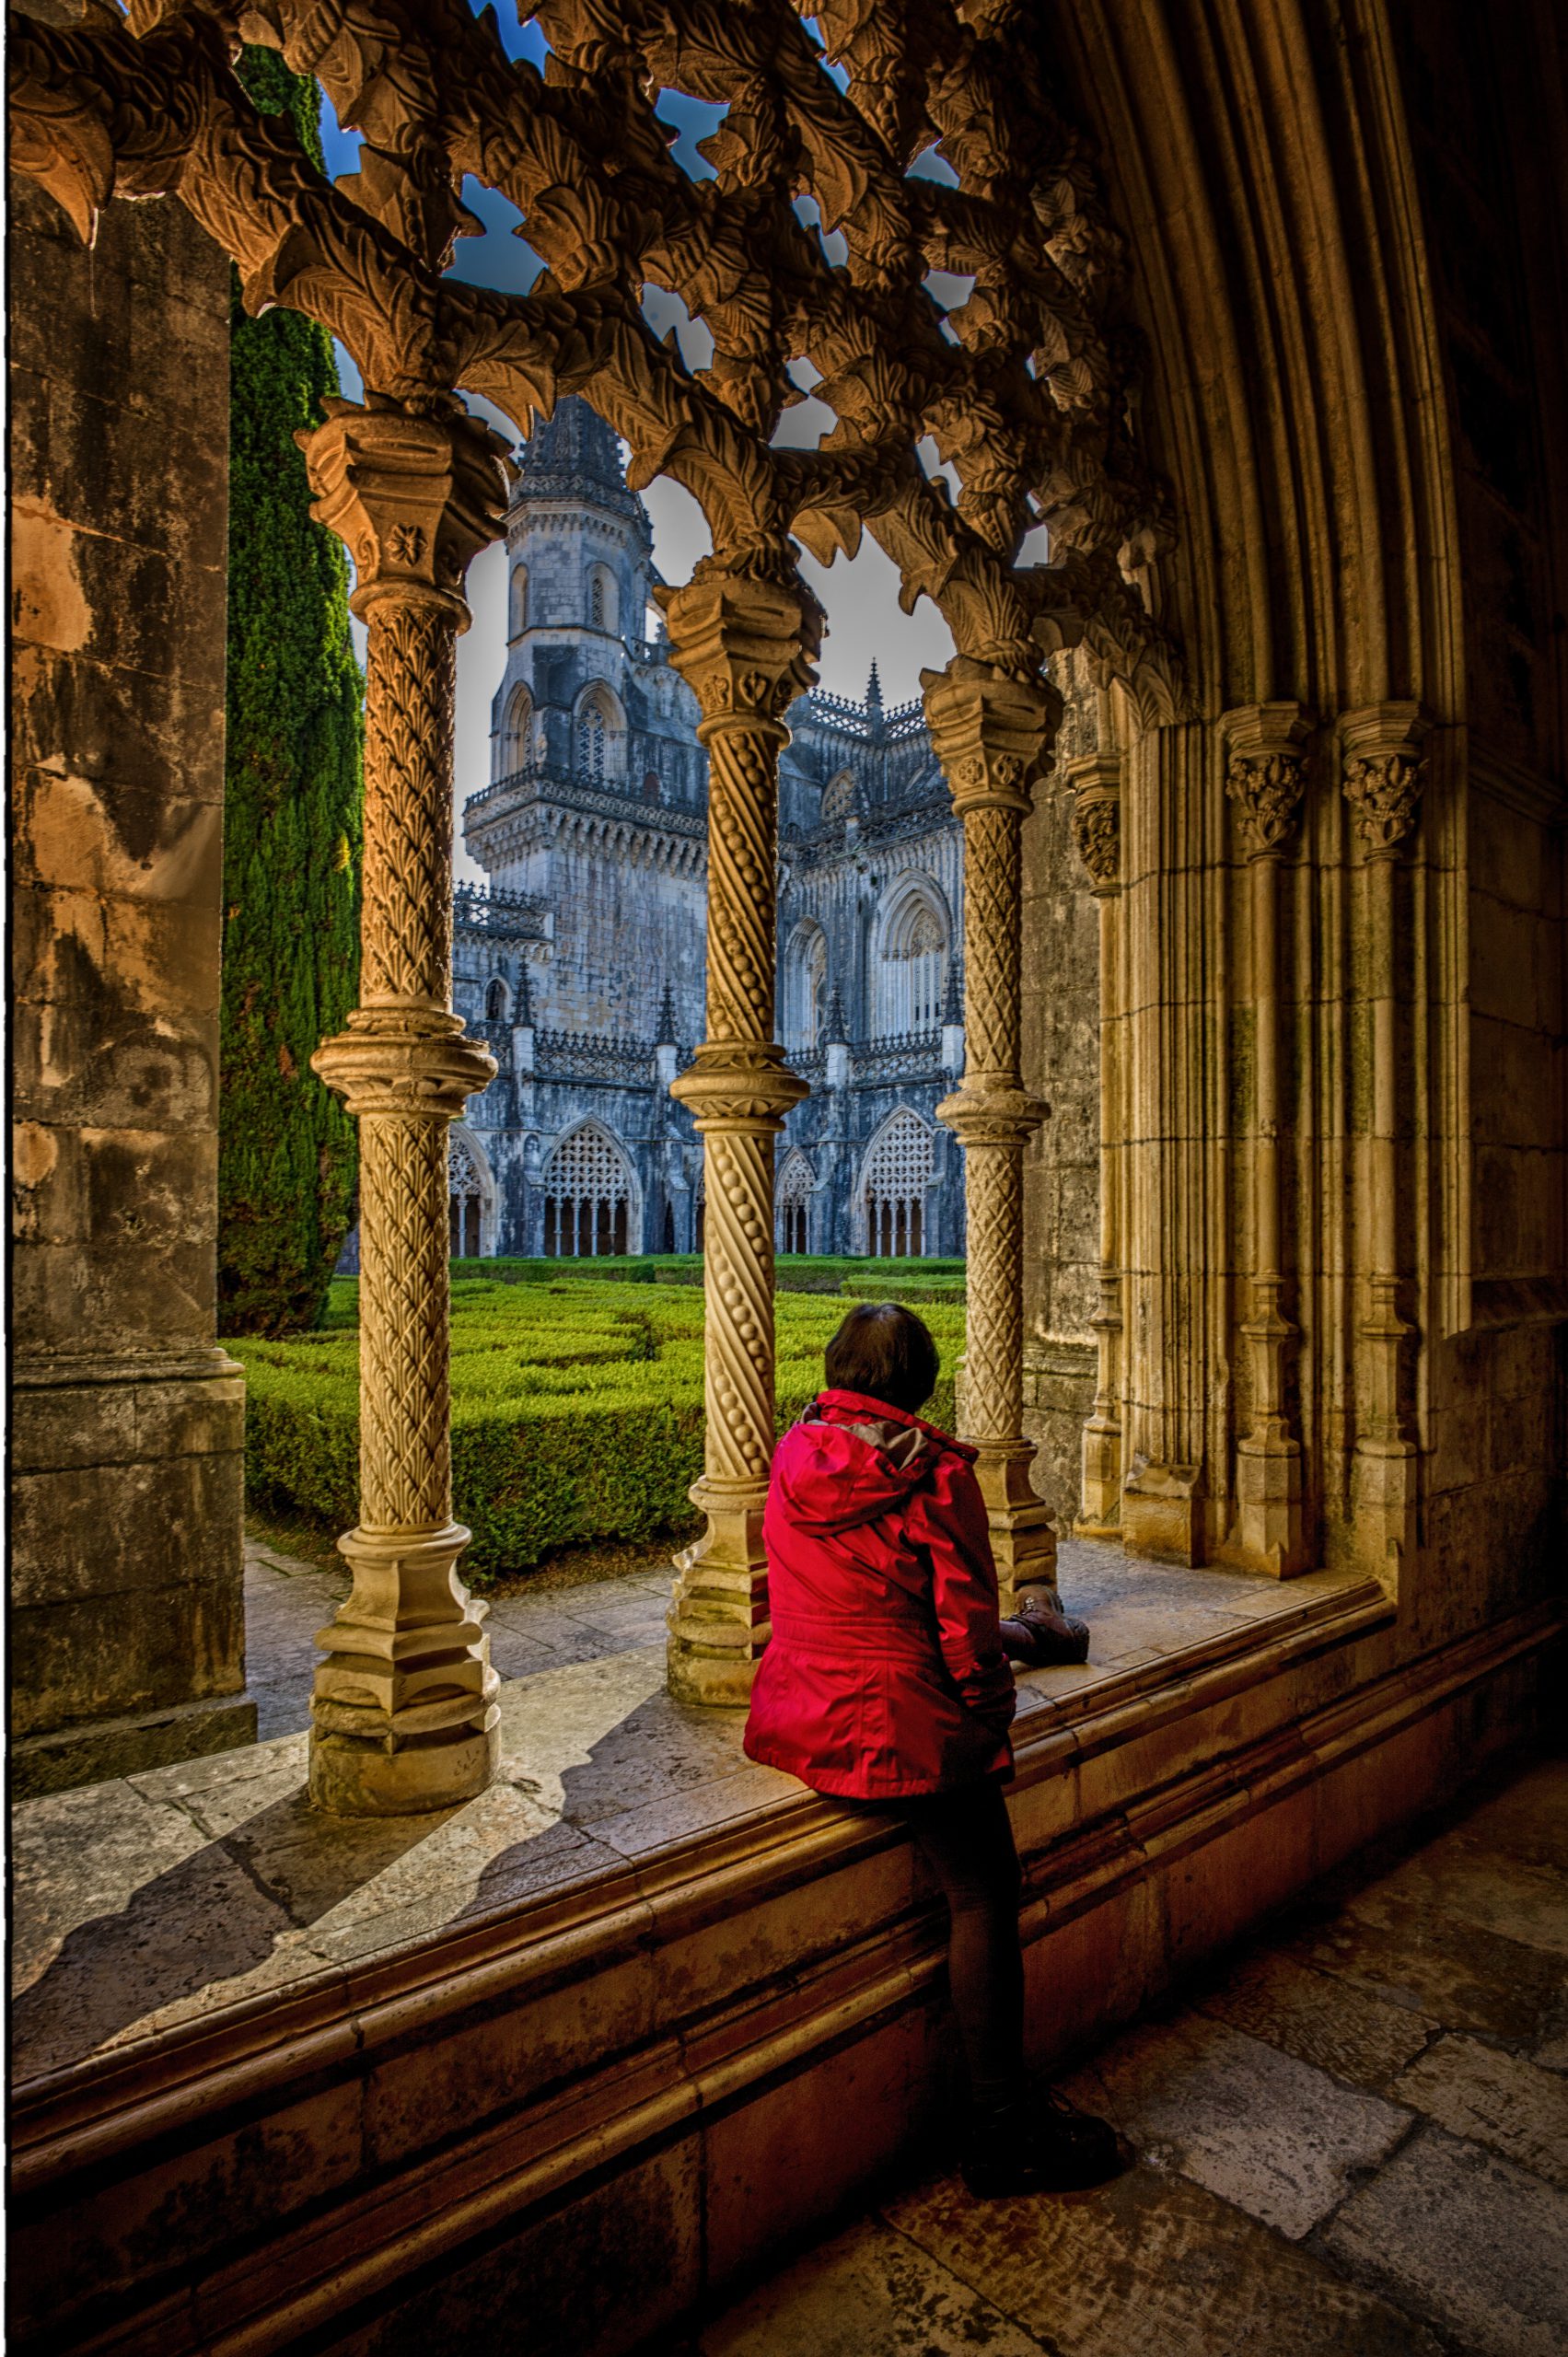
885	1683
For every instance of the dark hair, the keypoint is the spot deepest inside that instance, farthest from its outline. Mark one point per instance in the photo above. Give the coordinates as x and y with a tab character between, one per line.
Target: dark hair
884	1351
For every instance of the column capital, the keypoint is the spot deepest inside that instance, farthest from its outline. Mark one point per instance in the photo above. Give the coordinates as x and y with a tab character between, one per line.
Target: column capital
745	643
412	498
730	1086
1265	773
1382	747
1096	781
992	734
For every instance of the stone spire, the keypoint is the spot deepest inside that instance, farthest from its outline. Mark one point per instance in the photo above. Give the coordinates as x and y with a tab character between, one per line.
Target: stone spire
835	1032
873	700
574	454
664	1037
524	1015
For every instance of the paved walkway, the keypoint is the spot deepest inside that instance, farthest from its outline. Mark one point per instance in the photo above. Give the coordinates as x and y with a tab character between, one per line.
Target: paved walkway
1355	2143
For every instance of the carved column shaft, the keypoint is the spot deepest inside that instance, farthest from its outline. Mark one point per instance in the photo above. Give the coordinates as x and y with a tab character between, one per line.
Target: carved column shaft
1096	828
745	644
1265	776
990	733
1383	776
403	1713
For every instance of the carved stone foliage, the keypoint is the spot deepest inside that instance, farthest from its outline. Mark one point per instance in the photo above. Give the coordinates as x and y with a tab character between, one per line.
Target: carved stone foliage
1384	792
1266	789
1023	385
1097	831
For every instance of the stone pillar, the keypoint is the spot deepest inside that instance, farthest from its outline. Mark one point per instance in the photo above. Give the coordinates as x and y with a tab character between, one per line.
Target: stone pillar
1096	828
1383	775
1265	775
745	644
991	733
403	1711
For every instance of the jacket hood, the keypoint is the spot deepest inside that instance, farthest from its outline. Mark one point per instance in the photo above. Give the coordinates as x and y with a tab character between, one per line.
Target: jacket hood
851	1460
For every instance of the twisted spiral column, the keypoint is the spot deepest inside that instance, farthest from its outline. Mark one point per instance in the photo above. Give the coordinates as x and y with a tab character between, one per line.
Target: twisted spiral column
403	1714
990	731
745	644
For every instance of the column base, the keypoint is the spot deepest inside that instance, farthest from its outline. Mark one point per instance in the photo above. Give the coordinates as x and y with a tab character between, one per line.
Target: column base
1383	1509
403	1715
1022	1535
718	1612
1162	1514
1269	1536
1099	1494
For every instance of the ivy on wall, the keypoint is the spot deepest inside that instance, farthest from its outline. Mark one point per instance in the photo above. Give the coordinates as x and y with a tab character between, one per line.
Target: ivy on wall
292	824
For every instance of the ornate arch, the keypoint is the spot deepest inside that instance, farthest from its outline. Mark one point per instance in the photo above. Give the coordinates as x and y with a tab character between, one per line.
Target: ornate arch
895	1173
516	731
911	943
804	985
598	735
592	1201
471	1195
793	1190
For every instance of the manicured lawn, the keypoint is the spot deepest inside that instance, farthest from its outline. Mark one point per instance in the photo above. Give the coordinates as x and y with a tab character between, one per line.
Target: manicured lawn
577	1395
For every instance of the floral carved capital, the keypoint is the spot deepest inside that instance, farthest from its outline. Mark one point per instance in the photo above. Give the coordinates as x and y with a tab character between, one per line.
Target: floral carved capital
413	498
1384	793
1266	789
746	645
1097	831
991	735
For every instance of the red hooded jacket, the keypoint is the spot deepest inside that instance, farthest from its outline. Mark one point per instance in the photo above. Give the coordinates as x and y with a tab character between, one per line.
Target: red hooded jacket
885	1674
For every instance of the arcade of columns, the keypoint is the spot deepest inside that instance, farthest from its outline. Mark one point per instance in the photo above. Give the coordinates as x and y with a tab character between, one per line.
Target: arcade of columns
1021	391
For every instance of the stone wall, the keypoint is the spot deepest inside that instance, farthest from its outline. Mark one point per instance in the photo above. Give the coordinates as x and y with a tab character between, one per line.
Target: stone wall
126	1622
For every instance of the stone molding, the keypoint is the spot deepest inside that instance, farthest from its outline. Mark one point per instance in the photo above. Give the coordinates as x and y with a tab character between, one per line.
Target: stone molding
1265	776
1383	773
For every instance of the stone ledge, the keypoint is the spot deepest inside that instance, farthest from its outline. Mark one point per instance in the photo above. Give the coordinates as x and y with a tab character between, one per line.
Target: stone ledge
578	2036
105	1748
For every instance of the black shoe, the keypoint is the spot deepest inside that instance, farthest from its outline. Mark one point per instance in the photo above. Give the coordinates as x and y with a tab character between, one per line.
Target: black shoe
1049	1639
1040	2143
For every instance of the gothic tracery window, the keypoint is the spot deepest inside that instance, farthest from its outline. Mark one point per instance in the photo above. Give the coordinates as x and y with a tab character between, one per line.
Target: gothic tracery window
912	968
598	724
792	1197
839	798
893	1184
464	1197
495	1002
588	1196
806	985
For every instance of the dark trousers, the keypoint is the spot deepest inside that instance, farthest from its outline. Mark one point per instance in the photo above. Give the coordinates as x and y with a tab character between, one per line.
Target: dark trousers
967	1842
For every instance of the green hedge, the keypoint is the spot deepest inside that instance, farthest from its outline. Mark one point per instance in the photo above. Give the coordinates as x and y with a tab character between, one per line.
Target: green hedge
576	1407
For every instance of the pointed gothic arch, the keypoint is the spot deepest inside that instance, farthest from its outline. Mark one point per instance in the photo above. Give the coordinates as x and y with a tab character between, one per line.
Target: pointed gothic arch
600	734
894	1175
604	599
792	1191
805	992
516	731
911	944
471	1196
592	1203
517	602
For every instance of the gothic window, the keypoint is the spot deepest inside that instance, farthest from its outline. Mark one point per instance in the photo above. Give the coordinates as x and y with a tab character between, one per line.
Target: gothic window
516	732
588	1196
839	798
464	1194
911	966
893	1183
806	986
599	727
495	1002
792	1197
519	615
602	602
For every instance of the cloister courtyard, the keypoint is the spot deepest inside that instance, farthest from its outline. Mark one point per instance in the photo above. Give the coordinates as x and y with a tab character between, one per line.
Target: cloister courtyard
404	1947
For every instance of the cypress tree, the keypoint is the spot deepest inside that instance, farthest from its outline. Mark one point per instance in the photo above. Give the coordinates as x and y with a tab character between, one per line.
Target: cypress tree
291	833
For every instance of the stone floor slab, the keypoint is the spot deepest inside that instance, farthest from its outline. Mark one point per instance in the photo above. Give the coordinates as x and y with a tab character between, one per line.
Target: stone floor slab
1151	2267
1464	2238
1492	2099
1527	1904
1256	2126
870	2293
1411	1955
1331	2023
